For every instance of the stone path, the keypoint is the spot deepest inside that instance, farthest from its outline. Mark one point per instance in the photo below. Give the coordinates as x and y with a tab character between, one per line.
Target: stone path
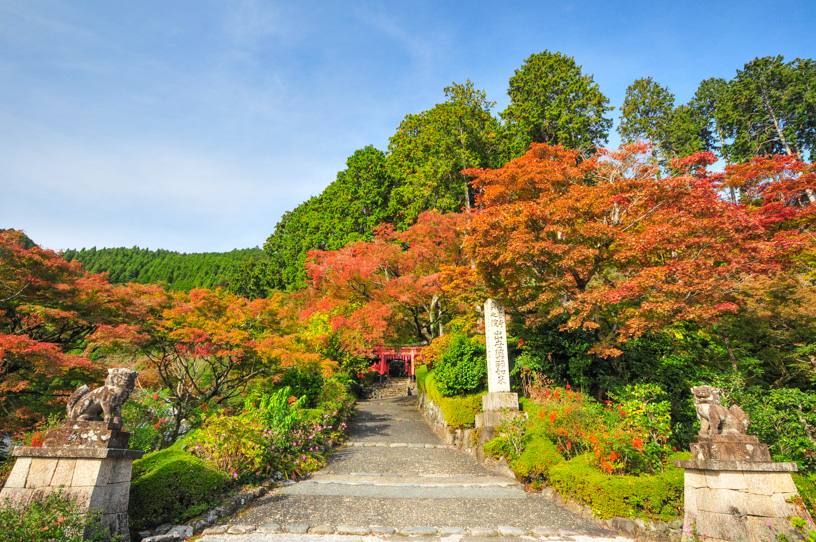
394	478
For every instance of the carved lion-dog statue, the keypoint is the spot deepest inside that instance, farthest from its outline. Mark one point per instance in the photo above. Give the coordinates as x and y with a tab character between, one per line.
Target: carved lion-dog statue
714	418
87	405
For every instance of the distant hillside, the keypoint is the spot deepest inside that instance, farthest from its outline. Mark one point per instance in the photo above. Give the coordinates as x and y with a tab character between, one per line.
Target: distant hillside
176	271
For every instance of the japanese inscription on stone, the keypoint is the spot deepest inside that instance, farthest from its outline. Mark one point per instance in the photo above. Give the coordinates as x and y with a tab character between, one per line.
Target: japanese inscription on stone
498	368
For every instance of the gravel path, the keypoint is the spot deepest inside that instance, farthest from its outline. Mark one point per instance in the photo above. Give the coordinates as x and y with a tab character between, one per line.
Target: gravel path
396	473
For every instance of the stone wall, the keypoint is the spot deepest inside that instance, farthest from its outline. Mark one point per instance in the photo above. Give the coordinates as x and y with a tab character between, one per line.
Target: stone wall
741	501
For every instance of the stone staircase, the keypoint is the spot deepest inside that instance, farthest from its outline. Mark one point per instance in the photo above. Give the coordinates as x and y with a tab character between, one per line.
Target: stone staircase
392	387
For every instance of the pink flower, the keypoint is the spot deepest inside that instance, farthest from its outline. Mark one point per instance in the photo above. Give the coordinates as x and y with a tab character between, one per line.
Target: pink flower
235	475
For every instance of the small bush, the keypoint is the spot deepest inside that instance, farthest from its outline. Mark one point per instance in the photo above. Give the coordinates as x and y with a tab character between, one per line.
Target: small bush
56	518
462	368
538	457
658	496
170	486
302	384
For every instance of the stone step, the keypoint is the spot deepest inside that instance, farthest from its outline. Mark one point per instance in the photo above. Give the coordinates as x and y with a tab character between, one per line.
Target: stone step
355	533
391	480
399	490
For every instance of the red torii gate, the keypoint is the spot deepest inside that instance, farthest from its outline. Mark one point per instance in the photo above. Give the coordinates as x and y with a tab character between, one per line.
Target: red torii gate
409	354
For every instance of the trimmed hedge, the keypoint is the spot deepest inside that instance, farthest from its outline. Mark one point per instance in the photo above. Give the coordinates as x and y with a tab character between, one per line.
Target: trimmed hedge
459	411
658	496
170	486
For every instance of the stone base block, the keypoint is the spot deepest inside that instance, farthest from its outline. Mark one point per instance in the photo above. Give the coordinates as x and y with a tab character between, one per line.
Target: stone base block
729	448
73	434
741	505
96	479
499	401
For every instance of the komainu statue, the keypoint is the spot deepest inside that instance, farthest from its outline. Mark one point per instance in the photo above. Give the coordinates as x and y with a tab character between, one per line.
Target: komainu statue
714	418
87	405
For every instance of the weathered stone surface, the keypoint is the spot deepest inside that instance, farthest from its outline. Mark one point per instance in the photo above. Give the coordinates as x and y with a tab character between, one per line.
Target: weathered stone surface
19	473
725	480
483	532
241	529
64	473
116	498
352	530
418	531
782	482
17	497
500	401
184	531
220	529
92	472
739	466
449	531
724	526
729	448
296	529
86	434
321	529
623	525
269	528
121	471
735	503
40	472
544	532
507	530
695	478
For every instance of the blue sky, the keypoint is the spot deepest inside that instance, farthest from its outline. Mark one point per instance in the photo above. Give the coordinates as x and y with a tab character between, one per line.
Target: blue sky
193	126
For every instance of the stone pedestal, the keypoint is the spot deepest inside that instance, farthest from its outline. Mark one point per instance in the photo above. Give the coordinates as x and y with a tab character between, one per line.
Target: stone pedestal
729	447
96	476
740	501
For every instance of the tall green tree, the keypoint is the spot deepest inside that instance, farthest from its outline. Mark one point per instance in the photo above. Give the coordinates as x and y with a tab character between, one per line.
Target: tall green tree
647	115
430	150
767	116
347	211
552	101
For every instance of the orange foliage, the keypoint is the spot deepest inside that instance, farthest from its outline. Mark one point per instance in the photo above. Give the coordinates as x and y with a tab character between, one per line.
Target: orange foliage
618	250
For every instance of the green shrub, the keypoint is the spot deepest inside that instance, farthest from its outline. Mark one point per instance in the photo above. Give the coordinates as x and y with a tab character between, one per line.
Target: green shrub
806	486
235	445
302	384
170	486
538	457
658	496
277	411
458	411
56	518
462	368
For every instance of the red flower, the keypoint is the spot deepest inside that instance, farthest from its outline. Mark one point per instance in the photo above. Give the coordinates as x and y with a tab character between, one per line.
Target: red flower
568	386
552	417
292	399
637	443
155	396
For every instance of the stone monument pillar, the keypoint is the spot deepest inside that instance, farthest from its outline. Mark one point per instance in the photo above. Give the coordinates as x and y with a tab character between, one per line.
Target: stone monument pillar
86	457
499	398
733	491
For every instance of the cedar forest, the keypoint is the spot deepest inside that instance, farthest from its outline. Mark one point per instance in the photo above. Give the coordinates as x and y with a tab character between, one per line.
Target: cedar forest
685	257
